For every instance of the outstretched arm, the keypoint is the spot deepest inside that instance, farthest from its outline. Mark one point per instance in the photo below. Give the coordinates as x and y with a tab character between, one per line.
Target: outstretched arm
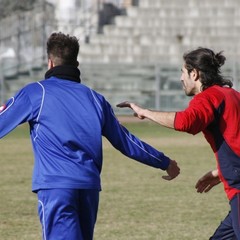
208	181
132	147
165	119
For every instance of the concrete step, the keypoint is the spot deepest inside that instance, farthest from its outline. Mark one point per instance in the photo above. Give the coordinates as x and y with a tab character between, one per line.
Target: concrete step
185	3
170	31
143	39
164	22
182	10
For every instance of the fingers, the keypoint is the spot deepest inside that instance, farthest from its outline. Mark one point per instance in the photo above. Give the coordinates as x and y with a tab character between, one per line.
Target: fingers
205	185
204	188
207	182
199	183
208	188
200	188
202	184
137	110
168	178
124	104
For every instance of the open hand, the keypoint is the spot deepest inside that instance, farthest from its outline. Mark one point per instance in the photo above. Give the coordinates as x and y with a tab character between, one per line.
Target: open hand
208	181
138	111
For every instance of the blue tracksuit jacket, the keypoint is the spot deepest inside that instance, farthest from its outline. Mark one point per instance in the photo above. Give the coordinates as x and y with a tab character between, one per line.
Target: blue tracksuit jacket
67	121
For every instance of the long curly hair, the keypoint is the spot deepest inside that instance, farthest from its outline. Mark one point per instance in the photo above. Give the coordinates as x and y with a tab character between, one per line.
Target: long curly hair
208	64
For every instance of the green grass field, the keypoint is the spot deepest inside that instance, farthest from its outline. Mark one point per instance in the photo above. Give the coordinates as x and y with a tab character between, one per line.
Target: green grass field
135	204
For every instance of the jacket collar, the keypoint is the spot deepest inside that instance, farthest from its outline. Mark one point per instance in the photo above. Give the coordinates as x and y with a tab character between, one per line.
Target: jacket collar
66	72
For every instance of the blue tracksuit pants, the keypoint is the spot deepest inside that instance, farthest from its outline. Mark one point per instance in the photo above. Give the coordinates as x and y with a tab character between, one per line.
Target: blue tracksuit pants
68	214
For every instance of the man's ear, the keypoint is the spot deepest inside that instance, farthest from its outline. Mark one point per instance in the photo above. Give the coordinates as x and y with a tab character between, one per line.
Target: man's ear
195	74
50	64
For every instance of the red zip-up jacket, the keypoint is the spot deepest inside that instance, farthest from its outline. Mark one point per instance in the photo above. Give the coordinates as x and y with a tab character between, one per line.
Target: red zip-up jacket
216	112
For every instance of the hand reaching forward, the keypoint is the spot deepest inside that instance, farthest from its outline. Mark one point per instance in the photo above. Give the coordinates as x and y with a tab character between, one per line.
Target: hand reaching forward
138	111
173	171
208	181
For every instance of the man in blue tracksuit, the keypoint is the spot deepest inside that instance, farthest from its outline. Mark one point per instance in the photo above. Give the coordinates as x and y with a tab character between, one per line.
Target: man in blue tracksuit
67	121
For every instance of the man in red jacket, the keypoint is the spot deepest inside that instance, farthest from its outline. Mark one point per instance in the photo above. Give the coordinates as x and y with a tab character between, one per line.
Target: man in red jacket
215	111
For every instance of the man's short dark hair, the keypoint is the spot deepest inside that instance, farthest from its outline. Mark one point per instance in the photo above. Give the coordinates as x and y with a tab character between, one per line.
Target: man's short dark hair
63	49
